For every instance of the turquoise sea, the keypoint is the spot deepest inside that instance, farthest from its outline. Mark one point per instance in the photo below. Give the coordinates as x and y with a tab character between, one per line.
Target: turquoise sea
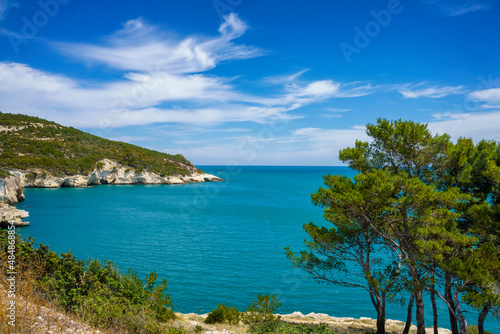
219	242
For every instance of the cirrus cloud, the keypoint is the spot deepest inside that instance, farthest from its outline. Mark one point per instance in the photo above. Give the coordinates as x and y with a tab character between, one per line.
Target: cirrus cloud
140	46
414	92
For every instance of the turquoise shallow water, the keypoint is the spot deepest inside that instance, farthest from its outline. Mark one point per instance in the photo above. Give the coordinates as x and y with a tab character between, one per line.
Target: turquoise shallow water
215	242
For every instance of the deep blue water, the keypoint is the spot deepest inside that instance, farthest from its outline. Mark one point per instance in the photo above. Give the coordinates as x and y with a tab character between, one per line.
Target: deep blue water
216	243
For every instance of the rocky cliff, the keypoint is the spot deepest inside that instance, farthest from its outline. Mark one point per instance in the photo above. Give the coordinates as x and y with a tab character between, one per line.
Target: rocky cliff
39	153
108	172
11	215
11	192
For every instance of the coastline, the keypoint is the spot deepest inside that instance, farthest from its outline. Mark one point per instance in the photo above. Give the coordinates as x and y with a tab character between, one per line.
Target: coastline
355	325
110	172
107	172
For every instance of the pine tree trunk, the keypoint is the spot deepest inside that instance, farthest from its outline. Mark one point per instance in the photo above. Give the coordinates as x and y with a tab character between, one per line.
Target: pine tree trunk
461	319
419	301
381	319
434	311
409	315
449	297
482	316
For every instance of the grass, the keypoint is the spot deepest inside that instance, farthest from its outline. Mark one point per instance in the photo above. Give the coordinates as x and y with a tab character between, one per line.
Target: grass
4	174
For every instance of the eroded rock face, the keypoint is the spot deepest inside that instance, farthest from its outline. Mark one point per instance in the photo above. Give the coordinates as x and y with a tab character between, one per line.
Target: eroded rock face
111	172
10	214
11	190
108	172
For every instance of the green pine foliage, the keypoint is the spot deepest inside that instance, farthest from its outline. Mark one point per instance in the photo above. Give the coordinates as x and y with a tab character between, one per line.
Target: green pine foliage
432	205
60	150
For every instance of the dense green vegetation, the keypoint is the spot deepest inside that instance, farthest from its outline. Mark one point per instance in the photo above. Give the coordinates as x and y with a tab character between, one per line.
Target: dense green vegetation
422	215
102	296
97	292
281	327
4	173
262	311
224	314
40	144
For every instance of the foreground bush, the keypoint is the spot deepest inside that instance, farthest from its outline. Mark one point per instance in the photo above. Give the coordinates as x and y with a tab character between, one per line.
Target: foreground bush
96	292
262	310
473	329
224	314
281	327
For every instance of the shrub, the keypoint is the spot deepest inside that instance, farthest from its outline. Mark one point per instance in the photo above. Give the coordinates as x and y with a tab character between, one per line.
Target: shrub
31	175
473	329
4	174
224	314
97	292
281	327
100	165
175	330
262	310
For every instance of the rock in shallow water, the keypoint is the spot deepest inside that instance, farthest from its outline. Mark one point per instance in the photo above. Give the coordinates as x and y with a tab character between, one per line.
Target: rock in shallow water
10	214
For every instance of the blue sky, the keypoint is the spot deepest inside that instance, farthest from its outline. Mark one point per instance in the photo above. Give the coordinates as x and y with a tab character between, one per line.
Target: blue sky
252	82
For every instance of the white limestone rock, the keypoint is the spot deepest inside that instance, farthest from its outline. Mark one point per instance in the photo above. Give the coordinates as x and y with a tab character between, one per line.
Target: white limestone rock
11	190
111	172
10	214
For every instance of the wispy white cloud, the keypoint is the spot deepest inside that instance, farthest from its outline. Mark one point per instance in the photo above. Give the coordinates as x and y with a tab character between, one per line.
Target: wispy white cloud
134	91
331	115
140	46
321	143
318	137
304	146
4	5
418	91
140	99
298	93
158	84
477	126
338	110
131	139
490	96
450	115
334	112
461	7
285	79
323	88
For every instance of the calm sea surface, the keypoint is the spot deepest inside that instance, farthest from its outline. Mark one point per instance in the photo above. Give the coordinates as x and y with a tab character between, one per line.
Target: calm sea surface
215	242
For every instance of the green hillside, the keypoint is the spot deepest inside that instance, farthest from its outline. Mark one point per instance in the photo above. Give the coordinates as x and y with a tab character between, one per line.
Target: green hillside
32	143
